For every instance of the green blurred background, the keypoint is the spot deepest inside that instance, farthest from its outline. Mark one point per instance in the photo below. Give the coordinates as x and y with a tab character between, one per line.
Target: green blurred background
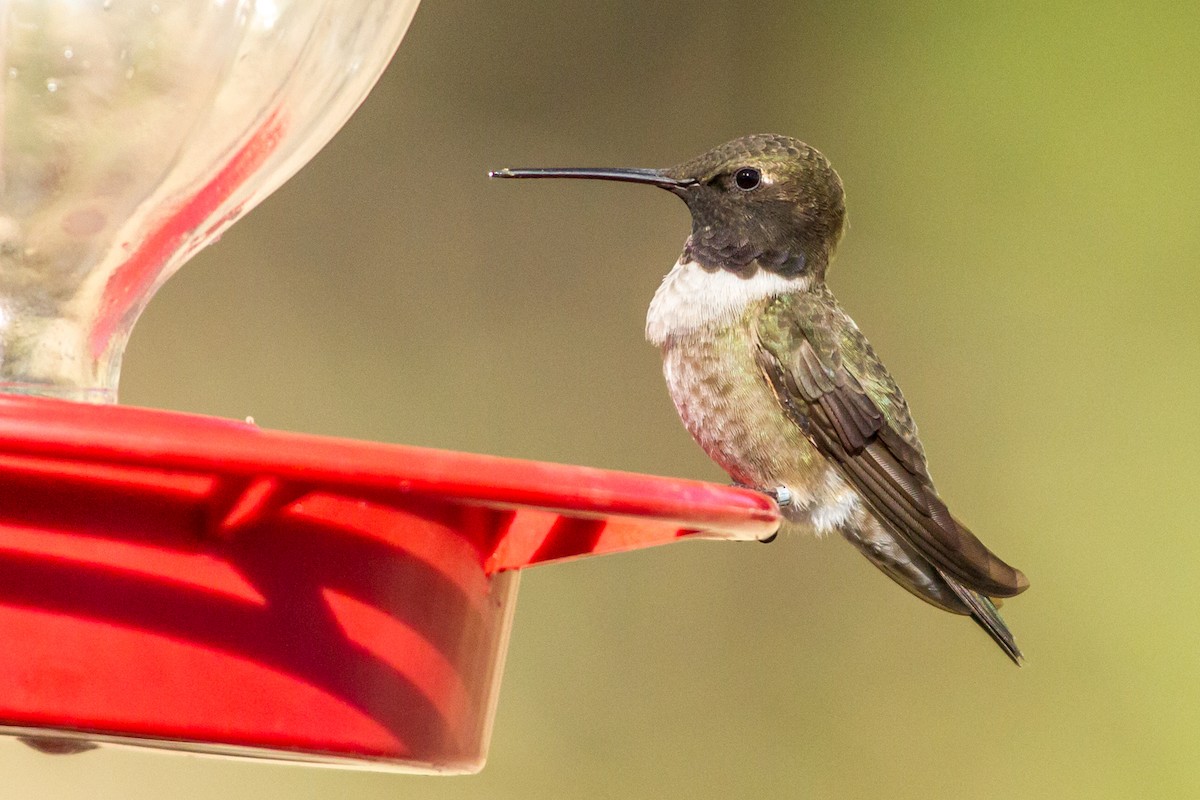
1024	191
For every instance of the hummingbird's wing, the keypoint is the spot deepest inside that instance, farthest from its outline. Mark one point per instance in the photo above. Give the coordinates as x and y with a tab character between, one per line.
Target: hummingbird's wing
831	383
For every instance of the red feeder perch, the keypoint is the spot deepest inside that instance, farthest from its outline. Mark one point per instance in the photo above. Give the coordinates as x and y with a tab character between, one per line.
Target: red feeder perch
198	584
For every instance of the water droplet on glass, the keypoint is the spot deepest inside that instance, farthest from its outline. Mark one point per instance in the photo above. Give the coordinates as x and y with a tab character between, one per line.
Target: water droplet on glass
68	54
106	5
13	72
154	8
52	85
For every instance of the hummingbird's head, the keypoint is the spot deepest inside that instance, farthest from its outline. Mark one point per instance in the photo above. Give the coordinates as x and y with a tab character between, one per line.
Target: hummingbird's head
759	202
762	201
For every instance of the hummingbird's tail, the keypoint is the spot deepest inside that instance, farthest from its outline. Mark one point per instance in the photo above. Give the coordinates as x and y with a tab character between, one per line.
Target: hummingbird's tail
984	612
926	580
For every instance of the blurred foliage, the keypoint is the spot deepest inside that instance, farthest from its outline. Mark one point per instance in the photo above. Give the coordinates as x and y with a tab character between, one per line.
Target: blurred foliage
1024	190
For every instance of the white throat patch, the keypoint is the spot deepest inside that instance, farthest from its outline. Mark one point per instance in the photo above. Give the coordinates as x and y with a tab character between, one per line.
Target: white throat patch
692	297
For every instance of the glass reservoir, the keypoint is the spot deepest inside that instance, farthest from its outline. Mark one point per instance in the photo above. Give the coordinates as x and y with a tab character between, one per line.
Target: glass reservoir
132	132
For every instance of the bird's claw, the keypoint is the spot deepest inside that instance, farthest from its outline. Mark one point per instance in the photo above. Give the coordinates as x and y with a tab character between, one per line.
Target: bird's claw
783	498
780	494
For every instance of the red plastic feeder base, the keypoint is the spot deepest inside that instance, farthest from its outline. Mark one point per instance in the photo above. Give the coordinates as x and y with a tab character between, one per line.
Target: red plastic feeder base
194	583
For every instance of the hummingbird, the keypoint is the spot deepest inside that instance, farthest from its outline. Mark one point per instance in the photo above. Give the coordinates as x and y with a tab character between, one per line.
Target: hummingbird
776	383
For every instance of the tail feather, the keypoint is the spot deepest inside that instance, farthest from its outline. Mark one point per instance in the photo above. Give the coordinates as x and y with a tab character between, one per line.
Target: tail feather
984	612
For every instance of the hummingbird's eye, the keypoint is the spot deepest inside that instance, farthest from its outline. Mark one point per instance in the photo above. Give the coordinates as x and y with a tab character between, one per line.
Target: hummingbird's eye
747	178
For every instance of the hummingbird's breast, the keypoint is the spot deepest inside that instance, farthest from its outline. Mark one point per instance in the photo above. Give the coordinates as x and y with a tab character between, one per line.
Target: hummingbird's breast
724	400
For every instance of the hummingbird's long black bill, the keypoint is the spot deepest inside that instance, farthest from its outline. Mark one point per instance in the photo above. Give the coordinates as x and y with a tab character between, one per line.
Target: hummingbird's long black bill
654	177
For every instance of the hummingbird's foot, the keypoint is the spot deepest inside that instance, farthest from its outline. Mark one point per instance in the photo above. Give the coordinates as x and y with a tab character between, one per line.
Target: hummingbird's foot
783	498
780	494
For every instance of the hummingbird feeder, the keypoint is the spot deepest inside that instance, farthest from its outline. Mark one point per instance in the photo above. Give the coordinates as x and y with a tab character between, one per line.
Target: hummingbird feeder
191	583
